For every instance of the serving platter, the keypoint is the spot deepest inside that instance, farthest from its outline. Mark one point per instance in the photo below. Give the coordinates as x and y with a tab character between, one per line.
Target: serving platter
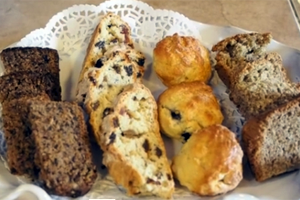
69	32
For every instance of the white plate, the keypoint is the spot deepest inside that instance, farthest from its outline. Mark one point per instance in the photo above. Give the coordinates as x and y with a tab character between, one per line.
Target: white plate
69	32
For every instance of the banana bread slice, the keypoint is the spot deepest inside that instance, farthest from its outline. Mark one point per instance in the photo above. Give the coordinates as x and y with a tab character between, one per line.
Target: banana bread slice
34	59
20	146
29	84
235	52
134	152
272	141
262	85
63	152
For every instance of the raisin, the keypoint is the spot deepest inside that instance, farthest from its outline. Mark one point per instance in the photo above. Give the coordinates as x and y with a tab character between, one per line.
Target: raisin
151	181
146	145
95	105
175	115
114	40
116	122
100	44
93	80
141	61
107	111
139	74
186	136
128	70
124	29
99	63
117	69
169	177
158	152
112	138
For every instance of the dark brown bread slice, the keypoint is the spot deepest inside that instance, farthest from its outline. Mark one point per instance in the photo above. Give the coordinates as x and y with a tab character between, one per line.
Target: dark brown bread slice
29	84
20	147
235	52
35	59
272	141
262	85
63	152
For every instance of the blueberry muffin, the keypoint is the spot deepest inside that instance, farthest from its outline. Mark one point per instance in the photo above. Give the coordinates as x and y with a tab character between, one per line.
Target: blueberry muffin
178	59
186	108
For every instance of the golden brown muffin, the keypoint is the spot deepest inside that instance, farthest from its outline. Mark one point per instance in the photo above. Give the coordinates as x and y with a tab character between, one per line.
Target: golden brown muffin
210	162
187	107
178	59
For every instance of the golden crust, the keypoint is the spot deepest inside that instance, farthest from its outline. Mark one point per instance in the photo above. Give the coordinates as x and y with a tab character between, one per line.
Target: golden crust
210	162
179	59
186	108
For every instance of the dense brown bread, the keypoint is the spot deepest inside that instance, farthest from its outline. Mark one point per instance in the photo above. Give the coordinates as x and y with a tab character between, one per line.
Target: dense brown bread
235	52
262	85
20	147
63	152
29	84
34	59
272	141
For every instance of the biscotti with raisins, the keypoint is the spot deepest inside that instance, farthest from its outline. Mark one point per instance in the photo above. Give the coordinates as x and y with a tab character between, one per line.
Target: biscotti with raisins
29	84
134	152
63	153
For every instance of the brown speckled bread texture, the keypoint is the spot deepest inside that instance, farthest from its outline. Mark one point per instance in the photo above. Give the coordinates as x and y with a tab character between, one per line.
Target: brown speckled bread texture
111	31
272	141
29	84
262	85
20	146
233	53
63	152
134	152
102	85
34	59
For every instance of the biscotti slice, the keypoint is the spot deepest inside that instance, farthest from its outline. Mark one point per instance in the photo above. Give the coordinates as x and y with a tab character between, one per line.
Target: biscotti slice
34	59
272	141
235	52
63	153
134	151
102	85
110	31
20	146
262	85
29	84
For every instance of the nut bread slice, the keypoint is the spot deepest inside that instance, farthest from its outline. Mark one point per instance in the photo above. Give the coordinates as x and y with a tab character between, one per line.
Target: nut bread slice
110	31
18	137
34	59
272	141
262	85
134	151
29	84
235	52
63	154
102	85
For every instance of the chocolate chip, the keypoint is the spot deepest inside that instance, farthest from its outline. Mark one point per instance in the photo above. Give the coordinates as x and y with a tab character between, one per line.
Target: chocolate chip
75	193
130	183
100	44
139	74
13	170
109	25
175	115
46	58
93	80
146	145
114	40
112	138
151	181
103	167
128	70
107	111
186	136
117	69
100	86
99	63
134	98
158	152
55	161
95	105
169	177
116	122
141	61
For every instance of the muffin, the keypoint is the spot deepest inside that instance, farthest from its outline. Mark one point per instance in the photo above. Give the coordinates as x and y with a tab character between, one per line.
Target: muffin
210	162
186	108
178	59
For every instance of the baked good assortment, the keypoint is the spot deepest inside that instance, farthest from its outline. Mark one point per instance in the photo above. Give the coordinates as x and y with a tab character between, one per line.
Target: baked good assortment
46	138
180	117
210	162
266	97
178	59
